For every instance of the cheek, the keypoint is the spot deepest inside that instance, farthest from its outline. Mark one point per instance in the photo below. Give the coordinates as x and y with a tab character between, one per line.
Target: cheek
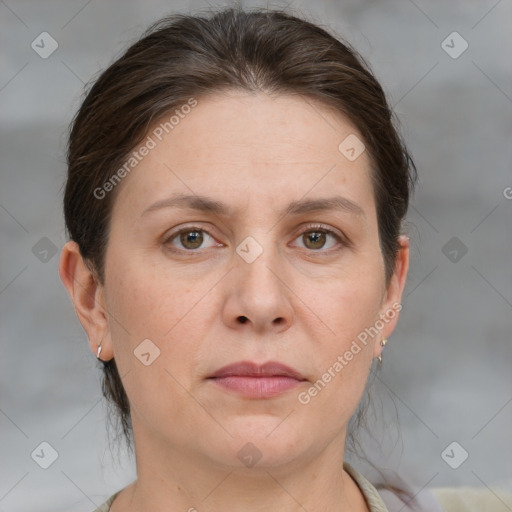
349	355
343	358
146	304
142	299
352	304
330	401
350	308
143	306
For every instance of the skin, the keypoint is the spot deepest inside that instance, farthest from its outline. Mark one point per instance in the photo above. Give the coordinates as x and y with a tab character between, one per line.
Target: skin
304	303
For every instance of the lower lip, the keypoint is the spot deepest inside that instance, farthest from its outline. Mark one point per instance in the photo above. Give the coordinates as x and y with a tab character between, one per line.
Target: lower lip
257	387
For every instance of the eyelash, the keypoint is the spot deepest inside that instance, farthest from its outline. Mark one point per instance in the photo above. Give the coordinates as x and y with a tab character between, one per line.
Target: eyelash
313	228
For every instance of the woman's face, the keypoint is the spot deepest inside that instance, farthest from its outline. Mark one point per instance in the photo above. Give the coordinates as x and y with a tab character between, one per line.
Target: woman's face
265	276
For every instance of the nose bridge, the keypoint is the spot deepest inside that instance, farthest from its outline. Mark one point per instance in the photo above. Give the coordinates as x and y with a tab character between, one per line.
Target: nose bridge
258	293
259	264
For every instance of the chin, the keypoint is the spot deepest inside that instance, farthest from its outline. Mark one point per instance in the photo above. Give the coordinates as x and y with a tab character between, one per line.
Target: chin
263	442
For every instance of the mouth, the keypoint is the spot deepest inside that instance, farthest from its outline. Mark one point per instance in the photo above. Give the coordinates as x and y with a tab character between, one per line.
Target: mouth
251	380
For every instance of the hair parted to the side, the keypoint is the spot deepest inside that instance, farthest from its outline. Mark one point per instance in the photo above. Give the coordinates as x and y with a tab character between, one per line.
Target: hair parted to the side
183	56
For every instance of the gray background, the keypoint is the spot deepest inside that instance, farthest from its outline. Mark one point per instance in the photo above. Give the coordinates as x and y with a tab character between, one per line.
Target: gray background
447	367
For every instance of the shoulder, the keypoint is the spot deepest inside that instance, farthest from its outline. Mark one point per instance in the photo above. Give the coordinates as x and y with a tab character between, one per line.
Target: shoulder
372	497
473	499
105	507
434	499
397	496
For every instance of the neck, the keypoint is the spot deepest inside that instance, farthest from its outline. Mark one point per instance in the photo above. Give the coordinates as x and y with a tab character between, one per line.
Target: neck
170	478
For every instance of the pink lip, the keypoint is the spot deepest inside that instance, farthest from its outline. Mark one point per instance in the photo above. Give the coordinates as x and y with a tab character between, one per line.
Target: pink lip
257	381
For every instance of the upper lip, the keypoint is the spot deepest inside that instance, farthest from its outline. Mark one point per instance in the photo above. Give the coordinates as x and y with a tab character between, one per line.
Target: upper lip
250	369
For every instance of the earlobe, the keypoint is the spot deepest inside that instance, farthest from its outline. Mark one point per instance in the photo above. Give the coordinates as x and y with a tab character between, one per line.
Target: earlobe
88	299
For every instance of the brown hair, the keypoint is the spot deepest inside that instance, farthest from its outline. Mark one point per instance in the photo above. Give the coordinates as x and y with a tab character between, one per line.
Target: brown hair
183	56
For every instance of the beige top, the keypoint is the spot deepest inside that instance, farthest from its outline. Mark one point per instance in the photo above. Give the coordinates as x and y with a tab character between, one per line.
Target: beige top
441	499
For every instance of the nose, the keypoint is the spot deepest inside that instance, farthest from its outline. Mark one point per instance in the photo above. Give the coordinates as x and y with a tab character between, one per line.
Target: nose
258	298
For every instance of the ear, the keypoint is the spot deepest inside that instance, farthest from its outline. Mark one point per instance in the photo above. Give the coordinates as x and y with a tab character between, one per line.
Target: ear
88	298
391	305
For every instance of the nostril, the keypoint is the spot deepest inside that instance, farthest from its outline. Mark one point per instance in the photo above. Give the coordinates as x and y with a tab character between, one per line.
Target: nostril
242	319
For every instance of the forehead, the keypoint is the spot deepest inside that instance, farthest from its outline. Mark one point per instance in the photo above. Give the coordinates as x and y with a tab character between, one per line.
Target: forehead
261	127
238	145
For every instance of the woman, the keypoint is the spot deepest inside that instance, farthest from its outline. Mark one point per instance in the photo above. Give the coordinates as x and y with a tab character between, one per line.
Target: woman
234	202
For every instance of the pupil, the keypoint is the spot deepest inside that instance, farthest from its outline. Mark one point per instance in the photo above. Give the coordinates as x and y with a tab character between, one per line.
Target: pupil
192	238
317	238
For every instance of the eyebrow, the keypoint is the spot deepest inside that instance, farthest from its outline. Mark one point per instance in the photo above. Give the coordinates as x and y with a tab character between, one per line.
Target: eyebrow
209	205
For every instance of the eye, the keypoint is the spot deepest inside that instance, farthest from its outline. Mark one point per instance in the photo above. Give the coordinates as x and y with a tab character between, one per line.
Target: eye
316	237
190	238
